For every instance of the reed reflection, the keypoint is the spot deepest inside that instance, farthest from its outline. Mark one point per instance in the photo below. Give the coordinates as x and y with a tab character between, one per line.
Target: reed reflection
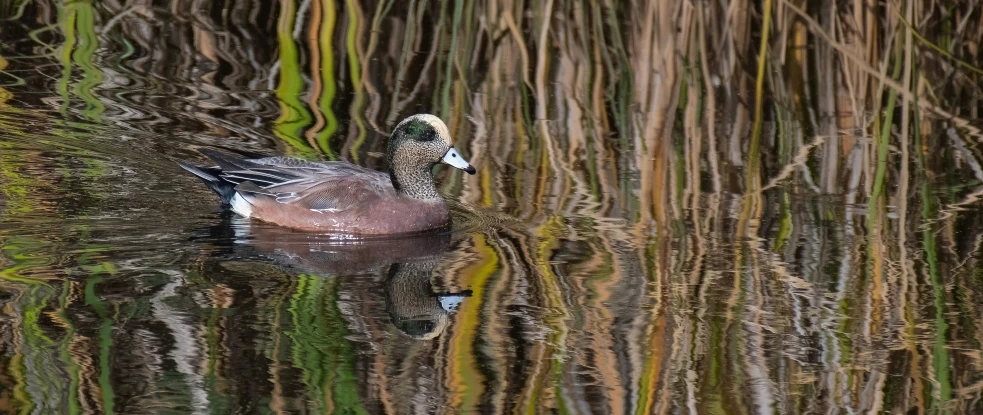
686	206
339	313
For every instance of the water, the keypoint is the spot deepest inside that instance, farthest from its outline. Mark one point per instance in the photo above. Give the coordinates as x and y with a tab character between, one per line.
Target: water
599	262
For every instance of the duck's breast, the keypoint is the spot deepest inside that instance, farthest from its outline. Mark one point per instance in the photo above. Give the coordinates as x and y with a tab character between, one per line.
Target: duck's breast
403	215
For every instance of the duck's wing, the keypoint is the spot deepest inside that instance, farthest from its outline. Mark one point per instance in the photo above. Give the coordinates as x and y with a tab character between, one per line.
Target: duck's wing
331	186
273	171
326	187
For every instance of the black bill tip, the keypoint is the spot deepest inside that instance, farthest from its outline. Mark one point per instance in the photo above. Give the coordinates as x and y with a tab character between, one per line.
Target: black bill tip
471	170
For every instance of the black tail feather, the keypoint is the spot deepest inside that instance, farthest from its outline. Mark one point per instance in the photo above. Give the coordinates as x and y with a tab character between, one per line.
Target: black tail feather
210	176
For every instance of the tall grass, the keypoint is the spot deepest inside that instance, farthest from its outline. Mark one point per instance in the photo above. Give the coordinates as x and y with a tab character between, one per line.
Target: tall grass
757	204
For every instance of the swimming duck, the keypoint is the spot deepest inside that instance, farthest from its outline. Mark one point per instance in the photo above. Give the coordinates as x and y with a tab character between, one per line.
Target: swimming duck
339	197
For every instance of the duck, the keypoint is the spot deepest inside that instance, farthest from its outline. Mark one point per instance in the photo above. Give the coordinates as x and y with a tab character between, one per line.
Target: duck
338	197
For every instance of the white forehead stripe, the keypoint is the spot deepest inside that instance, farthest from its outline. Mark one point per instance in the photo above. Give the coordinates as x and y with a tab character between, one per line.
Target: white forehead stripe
436	122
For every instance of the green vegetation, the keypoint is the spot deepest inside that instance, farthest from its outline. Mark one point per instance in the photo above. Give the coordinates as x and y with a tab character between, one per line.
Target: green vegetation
724	206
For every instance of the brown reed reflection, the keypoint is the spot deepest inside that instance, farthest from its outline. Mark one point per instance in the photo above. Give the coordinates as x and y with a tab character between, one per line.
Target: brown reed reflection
677	209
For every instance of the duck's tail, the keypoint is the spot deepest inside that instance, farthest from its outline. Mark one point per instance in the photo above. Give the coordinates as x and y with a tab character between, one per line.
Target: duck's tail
210	176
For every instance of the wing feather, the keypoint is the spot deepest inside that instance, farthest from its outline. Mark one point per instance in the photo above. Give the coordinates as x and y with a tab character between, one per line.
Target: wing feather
324	187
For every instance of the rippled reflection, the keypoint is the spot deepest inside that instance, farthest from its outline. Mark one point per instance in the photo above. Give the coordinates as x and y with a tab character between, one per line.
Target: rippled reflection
660	223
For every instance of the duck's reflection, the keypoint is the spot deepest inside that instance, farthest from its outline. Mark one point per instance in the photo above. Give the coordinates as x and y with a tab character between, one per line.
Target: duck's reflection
414	308
407	264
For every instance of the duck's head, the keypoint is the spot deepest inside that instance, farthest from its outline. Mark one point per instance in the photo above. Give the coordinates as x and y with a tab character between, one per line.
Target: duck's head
422	141
414	308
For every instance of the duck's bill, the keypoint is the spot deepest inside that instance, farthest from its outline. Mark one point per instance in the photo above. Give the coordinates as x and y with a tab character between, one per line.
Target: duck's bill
451	302
455	160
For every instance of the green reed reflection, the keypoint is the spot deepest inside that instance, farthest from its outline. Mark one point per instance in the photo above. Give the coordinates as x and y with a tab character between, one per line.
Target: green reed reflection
32	381
106	322
940	394
320	346
64	351
702	207
294	115
322	28
77	22
355	24
38	384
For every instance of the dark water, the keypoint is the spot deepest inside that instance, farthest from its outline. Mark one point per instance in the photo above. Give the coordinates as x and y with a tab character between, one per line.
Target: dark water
621	250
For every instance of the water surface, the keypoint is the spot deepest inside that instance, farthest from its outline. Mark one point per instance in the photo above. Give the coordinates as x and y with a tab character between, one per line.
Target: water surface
632	242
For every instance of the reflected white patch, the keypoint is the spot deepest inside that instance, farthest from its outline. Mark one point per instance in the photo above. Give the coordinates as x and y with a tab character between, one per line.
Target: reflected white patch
455	159
451	302
241	206
328	210
242	228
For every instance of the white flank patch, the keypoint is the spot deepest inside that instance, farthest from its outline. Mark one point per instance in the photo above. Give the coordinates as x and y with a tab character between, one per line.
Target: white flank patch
241	206
328	210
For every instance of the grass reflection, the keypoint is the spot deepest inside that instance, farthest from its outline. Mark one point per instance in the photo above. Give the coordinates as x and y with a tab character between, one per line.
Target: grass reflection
294	115
324	15
681	206
321	348
106	322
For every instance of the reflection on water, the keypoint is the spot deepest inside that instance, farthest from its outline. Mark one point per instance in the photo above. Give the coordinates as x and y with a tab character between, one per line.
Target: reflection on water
643	236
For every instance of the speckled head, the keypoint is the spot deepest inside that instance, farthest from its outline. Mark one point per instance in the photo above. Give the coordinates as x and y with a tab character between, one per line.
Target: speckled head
416	145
